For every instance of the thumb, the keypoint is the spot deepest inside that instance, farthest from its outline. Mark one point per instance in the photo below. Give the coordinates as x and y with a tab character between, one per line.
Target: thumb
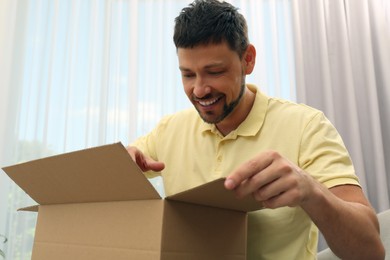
152	165
147	163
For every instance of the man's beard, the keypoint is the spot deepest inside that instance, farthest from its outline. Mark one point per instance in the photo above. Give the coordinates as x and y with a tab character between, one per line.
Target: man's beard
227	108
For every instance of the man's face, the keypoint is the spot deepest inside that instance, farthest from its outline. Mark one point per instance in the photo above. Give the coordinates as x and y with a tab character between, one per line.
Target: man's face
213	78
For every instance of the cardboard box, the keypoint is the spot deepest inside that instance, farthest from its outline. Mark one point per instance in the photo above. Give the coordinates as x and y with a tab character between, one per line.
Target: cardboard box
97	204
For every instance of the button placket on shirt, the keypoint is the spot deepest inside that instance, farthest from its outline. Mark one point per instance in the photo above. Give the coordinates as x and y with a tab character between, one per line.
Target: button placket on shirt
219	154
218	160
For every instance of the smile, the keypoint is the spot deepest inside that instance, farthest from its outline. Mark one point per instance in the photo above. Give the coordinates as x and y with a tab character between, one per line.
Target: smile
210	102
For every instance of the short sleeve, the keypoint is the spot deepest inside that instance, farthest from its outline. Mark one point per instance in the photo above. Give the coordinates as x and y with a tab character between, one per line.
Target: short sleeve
324	155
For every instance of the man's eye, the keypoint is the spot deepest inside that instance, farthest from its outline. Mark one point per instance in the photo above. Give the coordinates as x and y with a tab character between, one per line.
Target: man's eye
188	75
215	72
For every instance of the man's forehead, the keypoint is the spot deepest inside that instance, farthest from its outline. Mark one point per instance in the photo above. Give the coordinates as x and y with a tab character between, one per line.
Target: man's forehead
206	56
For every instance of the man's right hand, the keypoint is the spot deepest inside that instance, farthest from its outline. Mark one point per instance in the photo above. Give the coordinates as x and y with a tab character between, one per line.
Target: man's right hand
144	162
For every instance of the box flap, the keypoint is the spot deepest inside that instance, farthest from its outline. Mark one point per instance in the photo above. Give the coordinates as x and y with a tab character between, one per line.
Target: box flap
202	233
215	194
105	173
34	208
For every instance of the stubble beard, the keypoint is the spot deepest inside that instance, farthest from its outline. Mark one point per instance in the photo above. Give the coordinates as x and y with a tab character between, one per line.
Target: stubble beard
227	109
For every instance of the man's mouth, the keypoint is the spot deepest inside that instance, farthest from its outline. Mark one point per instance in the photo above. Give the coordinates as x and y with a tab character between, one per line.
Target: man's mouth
208	102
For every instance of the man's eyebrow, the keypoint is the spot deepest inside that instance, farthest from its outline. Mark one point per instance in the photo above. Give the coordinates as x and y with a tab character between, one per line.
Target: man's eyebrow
209	66
184	69
213	65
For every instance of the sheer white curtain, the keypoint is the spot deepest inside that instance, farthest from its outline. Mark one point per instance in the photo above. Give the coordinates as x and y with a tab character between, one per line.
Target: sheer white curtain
342	67
76	74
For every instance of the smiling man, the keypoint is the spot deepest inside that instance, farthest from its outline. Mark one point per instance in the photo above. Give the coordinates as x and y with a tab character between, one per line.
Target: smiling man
214	81
287	156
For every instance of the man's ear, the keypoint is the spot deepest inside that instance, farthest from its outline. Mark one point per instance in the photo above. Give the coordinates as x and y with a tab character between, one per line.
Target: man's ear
249	59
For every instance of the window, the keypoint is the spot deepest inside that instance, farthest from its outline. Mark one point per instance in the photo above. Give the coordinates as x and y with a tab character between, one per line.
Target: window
87	73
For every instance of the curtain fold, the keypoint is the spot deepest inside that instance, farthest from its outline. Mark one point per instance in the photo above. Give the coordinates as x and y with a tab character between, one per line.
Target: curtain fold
7	113
342	55
12	18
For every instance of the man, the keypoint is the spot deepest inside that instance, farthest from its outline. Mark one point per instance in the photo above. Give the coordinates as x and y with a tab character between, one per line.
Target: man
287	156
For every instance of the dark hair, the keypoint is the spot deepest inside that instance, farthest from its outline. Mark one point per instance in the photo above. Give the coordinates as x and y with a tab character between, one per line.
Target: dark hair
211	21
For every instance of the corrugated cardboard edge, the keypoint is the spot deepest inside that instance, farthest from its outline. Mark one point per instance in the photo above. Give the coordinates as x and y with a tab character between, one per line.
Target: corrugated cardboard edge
98	174
34	208
214	194
57	181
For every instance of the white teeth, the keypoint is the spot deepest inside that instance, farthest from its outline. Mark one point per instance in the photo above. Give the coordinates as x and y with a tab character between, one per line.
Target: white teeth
208	103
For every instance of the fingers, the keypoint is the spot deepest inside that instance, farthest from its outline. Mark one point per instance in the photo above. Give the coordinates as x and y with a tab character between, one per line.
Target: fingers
140	160
249	169
152	165
276	202
269	178
277	194
145	163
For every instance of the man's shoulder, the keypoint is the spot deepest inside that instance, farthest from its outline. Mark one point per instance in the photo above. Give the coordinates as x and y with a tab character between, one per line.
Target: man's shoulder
290	108
280	107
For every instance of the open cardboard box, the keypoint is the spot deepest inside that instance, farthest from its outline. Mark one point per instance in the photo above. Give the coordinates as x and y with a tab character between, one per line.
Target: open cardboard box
97	204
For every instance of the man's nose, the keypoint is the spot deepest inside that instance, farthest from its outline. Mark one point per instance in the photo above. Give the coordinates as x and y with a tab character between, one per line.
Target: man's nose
201	88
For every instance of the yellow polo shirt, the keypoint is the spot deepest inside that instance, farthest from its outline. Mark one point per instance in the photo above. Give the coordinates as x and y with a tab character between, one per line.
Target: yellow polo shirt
194	152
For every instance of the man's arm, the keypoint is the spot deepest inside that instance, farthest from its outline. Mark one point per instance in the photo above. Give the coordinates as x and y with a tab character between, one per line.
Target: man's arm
347	221
342	214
